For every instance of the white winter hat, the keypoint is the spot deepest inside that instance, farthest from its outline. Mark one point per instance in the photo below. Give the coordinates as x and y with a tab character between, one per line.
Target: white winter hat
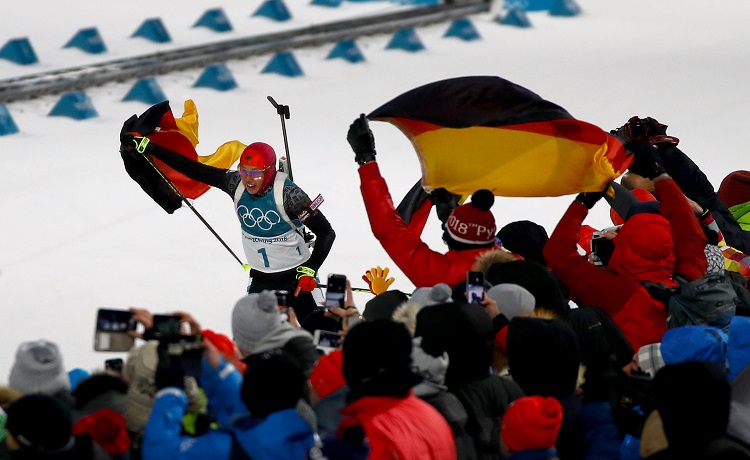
512	300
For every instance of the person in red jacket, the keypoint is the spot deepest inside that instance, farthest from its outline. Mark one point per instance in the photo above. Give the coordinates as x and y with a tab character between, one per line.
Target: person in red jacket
469	229
396	423
648	247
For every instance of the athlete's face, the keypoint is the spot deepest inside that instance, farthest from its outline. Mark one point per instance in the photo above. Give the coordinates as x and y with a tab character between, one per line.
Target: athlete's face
252	178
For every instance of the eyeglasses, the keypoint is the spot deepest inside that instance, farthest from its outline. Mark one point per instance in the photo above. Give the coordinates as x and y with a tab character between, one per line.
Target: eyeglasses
254	174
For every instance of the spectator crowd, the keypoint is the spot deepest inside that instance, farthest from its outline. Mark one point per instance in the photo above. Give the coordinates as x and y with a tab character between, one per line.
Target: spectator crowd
630	342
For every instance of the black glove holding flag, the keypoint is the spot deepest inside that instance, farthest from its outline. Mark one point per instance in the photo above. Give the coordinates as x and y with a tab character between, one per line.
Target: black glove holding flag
644	162
589	199
362	141
644	131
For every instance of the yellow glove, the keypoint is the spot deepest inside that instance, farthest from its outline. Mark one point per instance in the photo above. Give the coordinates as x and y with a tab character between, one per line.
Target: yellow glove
377	279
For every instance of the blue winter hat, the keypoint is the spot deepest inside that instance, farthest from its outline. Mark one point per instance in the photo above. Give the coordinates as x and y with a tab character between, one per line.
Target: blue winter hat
77	376
694	343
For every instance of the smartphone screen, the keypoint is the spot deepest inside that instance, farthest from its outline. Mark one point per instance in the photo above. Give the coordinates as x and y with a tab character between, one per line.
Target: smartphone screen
474	287
112	332
327	340
165	326
336	291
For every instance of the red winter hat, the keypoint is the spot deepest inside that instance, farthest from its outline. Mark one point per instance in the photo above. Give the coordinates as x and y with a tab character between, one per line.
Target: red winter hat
226	347
107	428
532	423
642	195
735	188
261	156
328	375
473	223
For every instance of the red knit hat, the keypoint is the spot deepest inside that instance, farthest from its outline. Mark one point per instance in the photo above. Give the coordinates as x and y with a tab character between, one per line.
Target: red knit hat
328	375
532	423
641	194
225	346
107	428
261	156
735	188
473	223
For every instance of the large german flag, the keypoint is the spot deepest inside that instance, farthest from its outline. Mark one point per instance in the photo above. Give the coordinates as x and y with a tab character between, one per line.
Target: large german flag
486	132
178	135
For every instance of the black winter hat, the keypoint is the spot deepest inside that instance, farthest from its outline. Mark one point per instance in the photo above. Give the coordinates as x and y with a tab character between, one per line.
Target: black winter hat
464	331
525	238
604	349
533	276
543	356
383	305
377	359
693	400
273	381
40	422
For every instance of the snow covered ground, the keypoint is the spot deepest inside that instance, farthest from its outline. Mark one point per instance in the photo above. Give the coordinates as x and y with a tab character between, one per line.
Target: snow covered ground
77	234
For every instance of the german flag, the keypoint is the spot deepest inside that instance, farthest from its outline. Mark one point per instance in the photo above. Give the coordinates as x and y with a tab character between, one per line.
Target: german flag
179	135
481	132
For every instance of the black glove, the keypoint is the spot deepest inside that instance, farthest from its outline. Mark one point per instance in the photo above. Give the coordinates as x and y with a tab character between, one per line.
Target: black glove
362	141
644	130
644	162
445	202
169	371
589	199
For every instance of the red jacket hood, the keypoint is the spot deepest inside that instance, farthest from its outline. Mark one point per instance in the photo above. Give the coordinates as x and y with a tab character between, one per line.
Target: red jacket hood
644	250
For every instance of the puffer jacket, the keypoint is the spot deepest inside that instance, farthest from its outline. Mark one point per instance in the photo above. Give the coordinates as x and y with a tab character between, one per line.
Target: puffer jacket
648	247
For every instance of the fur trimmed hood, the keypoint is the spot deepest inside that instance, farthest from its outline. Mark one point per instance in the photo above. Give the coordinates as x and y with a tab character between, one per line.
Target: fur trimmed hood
494	256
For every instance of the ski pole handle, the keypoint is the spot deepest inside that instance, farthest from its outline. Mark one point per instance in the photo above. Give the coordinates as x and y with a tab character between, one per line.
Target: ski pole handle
282	110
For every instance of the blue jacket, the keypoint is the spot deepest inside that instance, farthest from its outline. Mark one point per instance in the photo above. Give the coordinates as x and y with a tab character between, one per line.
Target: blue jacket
281	435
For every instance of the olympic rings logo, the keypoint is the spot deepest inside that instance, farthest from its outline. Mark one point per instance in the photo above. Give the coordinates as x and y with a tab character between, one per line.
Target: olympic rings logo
256	217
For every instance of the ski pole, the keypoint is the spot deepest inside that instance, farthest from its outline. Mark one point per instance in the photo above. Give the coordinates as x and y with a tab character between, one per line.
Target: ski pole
141	148
283	111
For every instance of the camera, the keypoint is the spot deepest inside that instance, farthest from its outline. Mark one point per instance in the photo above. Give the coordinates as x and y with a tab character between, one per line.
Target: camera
474	287
601	248
173	345
336	291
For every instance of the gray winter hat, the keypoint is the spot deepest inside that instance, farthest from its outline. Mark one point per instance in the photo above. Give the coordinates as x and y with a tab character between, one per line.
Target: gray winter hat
253	317
512	300
39	369
431	368
425	297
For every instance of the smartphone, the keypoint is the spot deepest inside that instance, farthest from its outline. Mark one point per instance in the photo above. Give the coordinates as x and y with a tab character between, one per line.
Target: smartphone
166	326
474	287
336	291
112	332
281	299
601	248
327	340
114	364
